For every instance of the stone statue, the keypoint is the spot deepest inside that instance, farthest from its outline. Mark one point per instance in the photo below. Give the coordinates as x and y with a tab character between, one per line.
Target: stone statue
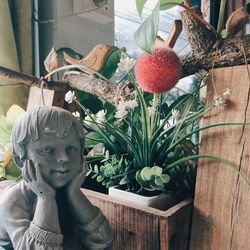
47	210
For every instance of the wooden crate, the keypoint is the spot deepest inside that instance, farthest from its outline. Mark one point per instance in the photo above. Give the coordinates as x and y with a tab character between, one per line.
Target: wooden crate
137	227
221	218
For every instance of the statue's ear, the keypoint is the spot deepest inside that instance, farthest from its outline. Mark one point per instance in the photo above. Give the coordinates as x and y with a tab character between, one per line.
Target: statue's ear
17	160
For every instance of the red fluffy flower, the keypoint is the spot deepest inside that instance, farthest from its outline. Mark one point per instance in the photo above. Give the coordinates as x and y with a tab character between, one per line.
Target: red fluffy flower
159	72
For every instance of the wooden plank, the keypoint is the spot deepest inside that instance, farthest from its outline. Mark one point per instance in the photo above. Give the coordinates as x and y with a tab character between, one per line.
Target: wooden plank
222	199
51	98
144	228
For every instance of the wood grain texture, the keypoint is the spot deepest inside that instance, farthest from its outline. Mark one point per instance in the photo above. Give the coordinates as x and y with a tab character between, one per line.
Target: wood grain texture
221	218
51	98
137	227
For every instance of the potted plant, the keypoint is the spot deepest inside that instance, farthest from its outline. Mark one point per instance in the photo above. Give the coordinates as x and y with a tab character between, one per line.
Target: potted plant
148	145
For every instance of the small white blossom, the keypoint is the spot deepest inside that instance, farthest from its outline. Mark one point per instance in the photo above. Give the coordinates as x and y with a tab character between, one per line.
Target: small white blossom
100	116
175	114
126	64
223	98
70	96
120	114
87	120
131	104
151	111
76	114
218	100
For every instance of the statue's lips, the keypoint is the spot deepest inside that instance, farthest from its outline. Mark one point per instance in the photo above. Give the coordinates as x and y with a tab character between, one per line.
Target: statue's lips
60	172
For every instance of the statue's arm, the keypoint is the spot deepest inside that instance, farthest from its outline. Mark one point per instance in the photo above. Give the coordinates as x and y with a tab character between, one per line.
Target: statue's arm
41	231
23	232
90	225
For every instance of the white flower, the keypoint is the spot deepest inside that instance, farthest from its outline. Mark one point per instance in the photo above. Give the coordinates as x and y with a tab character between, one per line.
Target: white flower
223	98
76	114
121	111
126	64
70	96
218	100
87	120
151	111
123	106
131	104
100	116
175	114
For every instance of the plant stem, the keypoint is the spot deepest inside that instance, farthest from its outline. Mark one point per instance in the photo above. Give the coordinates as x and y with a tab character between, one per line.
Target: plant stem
220	24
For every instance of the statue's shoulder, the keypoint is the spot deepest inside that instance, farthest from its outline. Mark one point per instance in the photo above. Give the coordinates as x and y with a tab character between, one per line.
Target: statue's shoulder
10	192
5	185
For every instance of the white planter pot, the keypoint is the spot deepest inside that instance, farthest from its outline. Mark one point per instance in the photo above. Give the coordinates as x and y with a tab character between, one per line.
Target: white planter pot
161	201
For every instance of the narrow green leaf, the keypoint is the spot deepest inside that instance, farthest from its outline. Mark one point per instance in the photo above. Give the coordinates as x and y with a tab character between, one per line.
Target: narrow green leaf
146	34
226	162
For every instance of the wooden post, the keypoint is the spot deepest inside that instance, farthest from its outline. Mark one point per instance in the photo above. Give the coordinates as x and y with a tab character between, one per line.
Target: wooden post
221	218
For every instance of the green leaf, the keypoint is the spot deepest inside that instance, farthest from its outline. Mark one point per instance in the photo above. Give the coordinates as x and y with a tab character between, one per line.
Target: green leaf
158	181
146	34
13	113
92	138
111	62
140	5
124	181
156	170
12	172
100	178
96	169
165	178
224	33
167	4
146	173
109	170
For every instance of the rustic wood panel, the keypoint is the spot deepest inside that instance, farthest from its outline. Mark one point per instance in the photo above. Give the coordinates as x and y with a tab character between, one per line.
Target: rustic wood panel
222	199
138	227
51	98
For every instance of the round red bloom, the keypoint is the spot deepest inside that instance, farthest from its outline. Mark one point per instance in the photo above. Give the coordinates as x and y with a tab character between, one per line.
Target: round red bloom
159	72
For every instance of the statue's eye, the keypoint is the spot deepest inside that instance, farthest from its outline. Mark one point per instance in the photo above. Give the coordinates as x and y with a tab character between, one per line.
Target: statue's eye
46	150
71	149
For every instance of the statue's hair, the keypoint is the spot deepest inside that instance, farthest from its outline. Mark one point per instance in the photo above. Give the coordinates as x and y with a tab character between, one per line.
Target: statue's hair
42	119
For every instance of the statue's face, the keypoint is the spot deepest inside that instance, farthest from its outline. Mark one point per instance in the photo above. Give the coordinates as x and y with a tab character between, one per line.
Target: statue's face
59	157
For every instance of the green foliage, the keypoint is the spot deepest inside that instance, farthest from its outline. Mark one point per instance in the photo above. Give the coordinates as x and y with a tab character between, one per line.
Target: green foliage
140	5
146	34
112	170
111	62
142	141
167	4
152	178
150	151
7	122
8	169
12	172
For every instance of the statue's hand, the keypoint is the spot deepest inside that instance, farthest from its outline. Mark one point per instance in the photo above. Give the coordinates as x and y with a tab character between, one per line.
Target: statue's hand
32	176
75	184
